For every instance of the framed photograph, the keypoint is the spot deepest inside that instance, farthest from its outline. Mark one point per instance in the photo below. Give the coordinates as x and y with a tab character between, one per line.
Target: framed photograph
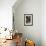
28	19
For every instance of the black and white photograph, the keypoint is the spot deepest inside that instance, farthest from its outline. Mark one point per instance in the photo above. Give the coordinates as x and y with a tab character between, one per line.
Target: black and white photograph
28	19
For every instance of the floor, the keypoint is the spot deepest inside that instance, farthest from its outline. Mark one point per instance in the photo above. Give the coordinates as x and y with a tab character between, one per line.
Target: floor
12	42
9	43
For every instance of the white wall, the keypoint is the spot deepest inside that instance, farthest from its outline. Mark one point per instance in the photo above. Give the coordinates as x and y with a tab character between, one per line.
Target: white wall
29	7
43	22
6	13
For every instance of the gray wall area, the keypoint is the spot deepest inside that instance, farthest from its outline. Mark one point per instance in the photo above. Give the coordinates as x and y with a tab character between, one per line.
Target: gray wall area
29	7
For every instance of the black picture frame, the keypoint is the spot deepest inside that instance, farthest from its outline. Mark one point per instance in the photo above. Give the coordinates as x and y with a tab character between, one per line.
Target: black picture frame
28	19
